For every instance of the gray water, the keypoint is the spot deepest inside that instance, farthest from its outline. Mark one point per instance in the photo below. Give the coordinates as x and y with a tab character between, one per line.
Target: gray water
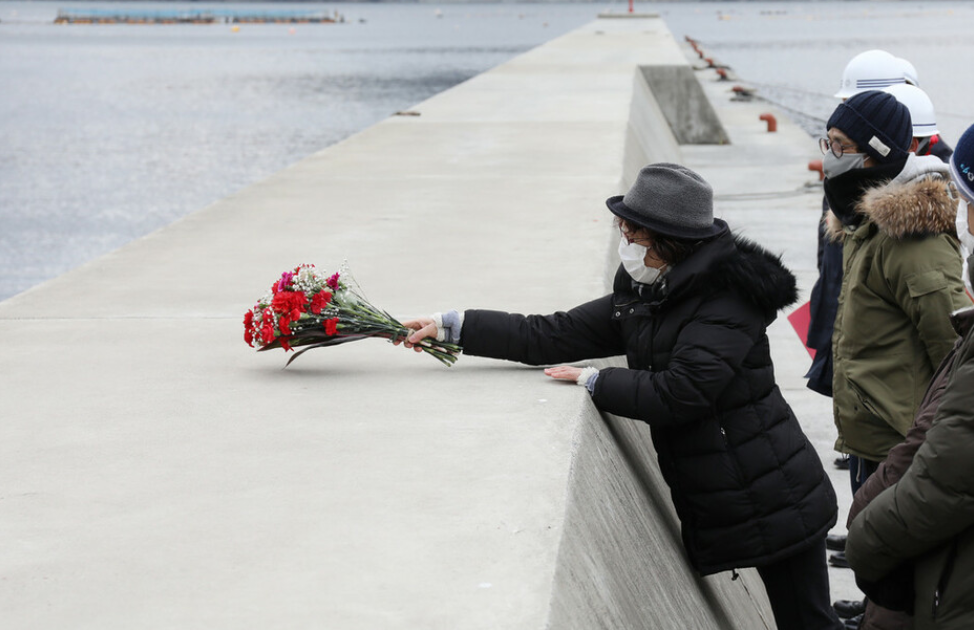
108	132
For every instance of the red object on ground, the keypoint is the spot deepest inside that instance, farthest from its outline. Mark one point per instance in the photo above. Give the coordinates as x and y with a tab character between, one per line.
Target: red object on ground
771	120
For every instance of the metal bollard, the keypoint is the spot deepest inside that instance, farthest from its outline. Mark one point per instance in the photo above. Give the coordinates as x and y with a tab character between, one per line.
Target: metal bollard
816	165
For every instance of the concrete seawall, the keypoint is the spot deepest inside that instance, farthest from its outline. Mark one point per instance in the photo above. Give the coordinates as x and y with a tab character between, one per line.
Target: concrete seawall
157	473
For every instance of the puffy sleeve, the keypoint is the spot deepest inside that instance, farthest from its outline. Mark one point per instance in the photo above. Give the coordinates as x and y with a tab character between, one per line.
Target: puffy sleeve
934	500
708	352
584	332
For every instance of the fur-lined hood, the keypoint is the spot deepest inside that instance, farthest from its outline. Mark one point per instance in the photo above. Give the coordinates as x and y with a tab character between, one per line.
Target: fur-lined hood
916	202
759	275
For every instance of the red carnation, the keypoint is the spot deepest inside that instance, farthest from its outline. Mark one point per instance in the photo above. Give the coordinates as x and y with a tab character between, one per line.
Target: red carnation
285	344
320	301
284	324
287	301
249	338
249	319
331	326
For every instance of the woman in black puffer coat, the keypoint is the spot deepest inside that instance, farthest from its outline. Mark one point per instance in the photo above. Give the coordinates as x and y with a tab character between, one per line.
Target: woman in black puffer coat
689	309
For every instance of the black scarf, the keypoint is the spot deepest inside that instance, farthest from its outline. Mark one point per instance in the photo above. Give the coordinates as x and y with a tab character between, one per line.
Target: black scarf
844	191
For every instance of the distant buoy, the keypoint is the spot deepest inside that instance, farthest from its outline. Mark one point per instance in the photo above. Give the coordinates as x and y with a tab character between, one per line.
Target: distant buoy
234	29
291	31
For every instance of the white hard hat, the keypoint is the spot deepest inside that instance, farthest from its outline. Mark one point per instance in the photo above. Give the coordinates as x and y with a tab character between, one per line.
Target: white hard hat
920	106
871	70
909	72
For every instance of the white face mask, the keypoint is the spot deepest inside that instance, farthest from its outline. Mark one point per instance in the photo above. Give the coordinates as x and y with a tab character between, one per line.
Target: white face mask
633	257
833	166
963	229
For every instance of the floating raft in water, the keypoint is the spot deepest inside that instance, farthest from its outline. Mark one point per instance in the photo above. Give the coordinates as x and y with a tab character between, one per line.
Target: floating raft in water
210	16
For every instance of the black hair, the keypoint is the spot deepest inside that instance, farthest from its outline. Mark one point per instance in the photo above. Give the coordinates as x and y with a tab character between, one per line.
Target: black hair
669	249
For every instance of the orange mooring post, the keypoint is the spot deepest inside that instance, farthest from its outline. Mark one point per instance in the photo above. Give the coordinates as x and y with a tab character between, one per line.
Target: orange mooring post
816	165
630	6
722	74
772	122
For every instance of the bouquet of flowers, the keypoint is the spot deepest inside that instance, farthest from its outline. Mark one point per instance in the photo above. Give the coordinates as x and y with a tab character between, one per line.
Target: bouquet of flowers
307	308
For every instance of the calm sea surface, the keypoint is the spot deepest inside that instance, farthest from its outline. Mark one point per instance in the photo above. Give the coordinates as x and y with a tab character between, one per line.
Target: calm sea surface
108	132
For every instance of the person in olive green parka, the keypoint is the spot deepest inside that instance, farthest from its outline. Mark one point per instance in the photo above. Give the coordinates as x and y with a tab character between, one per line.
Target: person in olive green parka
901	277
925	520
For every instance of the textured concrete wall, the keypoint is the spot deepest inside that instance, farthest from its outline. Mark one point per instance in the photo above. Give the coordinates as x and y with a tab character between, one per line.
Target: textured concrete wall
620	564
684	105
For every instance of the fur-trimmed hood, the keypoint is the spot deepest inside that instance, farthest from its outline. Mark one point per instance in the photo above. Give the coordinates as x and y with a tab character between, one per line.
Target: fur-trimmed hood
759	275
915	203
729	261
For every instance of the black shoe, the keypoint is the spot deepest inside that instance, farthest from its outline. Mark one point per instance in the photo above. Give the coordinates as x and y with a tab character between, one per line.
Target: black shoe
835	542
842	463
849	608
838	560
854	623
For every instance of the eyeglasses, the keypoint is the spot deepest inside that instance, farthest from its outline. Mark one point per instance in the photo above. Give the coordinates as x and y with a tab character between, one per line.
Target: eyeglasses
837	149
646	242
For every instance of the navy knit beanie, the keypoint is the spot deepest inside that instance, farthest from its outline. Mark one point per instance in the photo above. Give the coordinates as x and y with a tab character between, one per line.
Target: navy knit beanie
877	122
962	164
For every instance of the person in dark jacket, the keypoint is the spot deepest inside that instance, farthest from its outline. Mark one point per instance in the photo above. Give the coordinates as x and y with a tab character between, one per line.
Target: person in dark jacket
901	457
875	616
689	309
924	522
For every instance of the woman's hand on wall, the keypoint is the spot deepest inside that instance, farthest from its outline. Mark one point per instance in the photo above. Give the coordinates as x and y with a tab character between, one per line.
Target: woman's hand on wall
563	372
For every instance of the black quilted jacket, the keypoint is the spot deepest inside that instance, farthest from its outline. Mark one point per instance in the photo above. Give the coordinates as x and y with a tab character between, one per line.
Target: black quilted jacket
748	487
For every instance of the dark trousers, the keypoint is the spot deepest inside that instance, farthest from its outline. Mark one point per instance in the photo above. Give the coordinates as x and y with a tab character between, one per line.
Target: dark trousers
798	588
859	471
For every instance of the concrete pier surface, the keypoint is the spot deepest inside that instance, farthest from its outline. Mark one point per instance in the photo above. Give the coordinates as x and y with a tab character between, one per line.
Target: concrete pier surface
157	473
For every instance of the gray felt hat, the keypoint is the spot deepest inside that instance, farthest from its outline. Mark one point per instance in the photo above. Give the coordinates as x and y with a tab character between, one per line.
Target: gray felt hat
671	200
